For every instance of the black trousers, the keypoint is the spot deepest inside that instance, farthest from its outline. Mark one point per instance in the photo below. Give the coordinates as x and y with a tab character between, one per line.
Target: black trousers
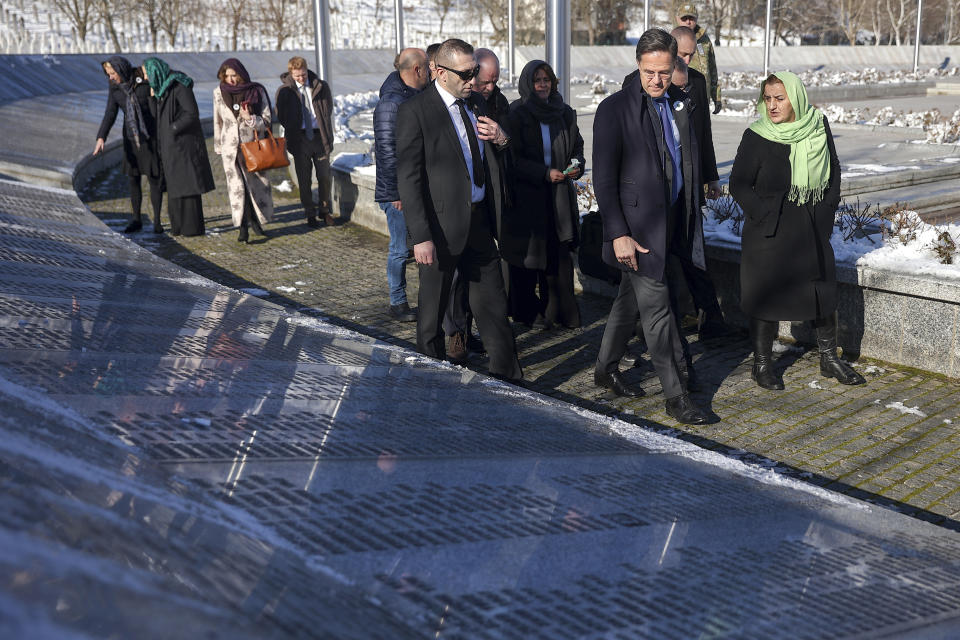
310	157
457	318
651	300
479	267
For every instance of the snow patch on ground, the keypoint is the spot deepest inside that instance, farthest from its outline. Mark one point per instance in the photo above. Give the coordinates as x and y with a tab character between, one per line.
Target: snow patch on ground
904	409
253	291
284	187
814	384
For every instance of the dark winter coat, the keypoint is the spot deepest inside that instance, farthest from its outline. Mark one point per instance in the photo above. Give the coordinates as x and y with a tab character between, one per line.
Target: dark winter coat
498	107
700	113
393	92
183	150
543	213
136	161
632	169
290	110
787	269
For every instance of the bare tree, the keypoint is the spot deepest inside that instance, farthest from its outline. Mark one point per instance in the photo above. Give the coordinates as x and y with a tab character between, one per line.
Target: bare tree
80	13
898	13
108	12
236	15
172	14
279	18
717	11
443	8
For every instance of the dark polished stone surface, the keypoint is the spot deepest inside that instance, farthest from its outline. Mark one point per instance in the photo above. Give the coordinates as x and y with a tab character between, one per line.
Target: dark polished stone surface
180	459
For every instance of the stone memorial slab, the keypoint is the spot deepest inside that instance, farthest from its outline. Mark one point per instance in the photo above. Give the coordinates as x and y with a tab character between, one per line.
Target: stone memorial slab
180	459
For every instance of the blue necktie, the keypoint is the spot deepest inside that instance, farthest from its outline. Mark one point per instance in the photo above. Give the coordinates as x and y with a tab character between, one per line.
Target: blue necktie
666	123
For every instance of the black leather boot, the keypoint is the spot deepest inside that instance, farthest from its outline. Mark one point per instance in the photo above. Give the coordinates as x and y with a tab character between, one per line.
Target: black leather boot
832	366
762	335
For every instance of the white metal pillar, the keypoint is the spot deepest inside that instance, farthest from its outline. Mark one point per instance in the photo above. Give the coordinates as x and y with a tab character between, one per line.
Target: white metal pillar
916	43
321	41
398	23
766	40
558	43
646	15
511	40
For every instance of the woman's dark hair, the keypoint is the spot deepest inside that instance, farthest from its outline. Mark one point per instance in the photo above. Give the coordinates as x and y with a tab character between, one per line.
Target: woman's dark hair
550	74
222	73
654	40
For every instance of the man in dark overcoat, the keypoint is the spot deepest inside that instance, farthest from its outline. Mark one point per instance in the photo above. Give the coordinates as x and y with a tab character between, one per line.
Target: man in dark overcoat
448	175
305	109
647	183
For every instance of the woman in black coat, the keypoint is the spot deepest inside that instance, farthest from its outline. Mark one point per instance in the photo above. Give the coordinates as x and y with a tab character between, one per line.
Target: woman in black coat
540	231
183	150
131	95
786	178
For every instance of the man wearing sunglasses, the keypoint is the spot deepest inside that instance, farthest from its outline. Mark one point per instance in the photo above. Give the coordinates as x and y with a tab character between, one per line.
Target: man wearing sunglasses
448	174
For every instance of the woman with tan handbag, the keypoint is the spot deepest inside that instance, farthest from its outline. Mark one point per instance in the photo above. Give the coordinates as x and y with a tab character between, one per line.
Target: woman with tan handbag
241	112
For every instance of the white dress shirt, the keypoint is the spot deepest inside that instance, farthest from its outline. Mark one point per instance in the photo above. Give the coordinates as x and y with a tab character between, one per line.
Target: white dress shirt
476	193
305	93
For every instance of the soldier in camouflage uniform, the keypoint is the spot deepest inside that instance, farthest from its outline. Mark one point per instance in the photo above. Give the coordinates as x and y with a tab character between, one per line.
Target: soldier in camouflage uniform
704	60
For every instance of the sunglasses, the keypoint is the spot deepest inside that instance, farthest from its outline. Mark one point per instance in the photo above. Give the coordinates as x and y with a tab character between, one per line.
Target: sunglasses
466	76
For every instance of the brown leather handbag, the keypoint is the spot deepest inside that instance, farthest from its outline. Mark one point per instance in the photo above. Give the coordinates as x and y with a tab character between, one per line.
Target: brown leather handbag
261	154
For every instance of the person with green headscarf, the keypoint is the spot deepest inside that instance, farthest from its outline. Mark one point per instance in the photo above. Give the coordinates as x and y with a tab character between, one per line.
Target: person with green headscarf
786	178
183	151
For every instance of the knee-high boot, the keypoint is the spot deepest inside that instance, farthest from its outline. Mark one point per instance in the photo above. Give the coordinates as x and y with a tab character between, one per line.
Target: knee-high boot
762	335
832	366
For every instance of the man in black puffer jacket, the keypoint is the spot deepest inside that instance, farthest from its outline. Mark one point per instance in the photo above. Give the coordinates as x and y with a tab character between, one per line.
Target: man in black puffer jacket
409	79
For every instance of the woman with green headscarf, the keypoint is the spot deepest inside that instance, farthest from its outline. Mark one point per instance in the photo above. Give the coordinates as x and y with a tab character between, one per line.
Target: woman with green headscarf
786	178
183	151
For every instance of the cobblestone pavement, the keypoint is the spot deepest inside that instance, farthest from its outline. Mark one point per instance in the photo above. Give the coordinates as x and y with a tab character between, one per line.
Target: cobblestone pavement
892	441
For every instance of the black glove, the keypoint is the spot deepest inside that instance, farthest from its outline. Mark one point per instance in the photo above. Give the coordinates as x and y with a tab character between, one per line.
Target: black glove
717	106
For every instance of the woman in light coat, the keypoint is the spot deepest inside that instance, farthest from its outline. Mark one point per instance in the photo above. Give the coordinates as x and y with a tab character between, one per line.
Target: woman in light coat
241	108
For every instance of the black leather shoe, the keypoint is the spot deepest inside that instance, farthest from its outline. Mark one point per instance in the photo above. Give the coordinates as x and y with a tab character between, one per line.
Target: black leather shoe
157	227
615	383
134	226
313	222
629	360
403	313
683	410
764	375
833	367
830	365
243	235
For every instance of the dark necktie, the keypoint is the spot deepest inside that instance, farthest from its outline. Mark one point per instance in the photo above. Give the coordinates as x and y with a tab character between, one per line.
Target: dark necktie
307	116
666	123
474	146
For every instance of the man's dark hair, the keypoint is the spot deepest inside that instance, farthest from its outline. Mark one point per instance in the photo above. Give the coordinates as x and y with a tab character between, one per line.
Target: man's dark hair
455	46
654	40
432	52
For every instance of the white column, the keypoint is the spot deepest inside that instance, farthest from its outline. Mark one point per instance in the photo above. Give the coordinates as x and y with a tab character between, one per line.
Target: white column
321	41
766	40
558	43
511	40
398	23
916	44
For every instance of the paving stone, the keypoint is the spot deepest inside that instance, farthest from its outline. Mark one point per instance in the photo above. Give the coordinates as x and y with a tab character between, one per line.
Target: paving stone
833	429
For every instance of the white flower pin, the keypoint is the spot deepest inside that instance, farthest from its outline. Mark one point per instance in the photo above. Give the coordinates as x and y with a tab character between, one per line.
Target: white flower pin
236	107
678	106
